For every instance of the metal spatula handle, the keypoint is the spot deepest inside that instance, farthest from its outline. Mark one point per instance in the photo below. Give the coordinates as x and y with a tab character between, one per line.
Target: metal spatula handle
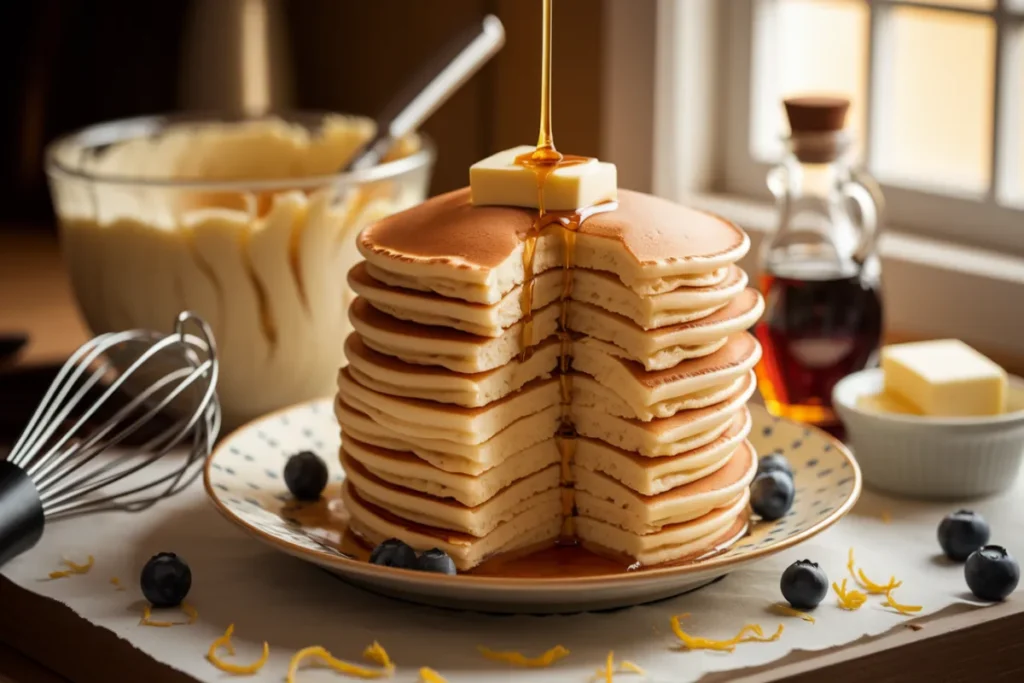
431	87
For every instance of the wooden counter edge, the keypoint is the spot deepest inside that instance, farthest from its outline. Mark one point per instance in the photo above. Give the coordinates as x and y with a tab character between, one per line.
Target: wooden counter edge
974	643
53	636
971	645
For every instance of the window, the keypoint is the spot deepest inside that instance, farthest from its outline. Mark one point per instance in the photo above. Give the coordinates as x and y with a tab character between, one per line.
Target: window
938	103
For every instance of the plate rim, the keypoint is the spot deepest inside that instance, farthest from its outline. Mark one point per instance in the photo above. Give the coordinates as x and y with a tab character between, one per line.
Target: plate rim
375	572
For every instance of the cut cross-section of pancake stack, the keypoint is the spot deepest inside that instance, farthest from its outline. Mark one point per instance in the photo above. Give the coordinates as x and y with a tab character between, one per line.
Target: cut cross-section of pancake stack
454	437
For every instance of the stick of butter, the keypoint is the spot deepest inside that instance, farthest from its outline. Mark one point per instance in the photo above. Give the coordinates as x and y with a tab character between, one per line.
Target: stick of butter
498	180
944	377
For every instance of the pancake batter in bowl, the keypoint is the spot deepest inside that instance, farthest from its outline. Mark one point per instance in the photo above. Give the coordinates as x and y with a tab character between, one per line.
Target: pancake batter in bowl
245	223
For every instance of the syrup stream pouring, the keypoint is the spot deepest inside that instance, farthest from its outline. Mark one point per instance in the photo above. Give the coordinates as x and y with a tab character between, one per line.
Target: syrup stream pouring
431	87
70	462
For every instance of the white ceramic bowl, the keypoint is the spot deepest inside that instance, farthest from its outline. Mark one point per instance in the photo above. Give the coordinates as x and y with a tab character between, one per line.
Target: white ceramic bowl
931	457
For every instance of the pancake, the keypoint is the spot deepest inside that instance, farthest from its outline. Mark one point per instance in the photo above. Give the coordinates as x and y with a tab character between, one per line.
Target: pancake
714	457
656	475
388	375
452	349
588	286
667	359
452	456
684	431
429	308
628	390
449	246
467	353
659	349
475	252
547	257
416	418
539	523
589	393
671	243
651	476
673	542
677	306
600	497
405	470
448	514
662	393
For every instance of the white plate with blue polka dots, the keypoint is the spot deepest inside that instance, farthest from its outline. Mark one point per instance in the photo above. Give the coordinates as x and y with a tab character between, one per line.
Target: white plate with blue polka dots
244	479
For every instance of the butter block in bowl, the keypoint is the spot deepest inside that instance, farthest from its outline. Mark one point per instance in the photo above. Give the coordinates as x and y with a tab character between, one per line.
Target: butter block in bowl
938	420
944	378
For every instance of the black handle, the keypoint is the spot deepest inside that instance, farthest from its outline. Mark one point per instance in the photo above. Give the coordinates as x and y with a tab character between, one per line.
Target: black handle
11	344
21	512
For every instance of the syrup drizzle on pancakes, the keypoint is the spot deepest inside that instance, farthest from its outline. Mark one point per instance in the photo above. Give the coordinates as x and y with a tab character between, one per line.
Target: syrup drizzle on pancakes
544	161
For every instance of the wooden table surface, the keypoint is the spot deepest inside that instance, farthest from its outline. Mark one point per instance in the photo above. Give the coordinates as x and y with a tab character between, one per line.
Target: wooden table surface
35	298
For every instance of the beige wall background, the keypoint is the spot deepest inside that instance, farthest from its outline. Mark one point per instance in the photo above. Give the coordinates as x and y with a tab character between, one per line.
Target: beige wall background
340	65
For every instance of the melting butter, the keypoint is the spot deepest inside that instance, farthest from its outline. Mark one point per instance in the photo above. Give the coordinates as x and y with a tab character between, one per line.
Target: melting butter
499	180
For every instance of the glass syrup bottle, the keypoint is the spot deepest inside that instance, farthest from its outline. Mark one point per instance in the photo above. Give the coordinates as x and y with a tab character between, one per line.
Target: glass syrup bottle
820	271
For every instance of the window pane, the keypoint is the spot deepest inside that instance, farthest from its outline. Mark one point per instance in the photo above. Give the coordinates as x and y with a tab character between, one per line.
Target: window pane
1011	142
972	4
809	46
935	90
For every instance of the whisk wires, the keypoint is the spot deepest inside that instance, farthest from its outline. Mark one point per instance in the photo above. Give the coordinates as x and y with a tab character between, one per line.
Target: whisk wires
76	446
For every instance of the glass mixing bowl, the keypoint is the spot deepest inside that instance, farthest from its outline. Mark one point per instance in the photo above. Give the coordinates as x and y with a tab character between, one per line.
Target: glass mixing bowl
245	222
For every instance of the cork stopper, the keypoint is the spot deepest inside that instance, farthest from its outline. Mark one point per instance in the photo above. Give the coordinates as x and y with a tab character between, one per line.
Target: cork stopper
817	124
816	114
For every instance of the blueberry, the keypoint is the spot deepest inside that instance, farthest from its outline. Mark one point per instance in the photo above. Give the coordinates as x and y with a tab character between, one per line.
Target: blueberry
771	494
394	553
305	475
436	560
774	462
804	584
166	580
991	573
961	533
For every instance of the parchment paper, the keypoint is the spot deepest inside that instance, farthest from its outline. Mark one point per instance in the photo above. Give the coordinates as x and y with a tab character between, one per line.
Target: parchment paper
290	604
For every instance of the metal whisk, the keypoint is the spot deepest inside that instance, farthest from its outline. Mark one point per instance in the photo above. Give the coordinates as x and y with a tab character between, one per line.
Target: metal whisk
74	459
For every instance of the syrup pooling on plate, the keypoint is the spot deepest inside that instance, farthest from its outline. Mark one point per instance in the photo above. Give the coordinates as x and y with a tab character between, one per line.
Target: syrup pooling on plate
326	521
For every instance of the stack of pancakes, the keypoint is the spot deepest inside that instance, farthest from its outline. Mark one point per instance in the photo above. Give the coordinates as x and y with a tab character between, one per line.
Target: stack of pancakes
606	405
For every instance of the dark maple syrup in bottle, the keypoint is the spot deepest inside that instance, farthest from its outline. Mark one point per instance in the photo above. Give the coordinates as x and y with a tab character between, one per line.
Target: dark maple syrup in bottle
817	328
820	275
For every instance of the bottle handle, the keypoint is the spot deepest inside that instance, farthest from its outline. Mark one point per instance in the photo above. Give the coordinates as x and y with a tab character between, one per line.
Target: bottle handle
863	191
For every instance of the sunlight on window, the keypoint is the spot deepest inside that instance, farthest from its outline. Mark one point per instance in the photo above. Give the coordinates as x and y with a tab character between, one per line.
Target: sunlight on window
1013	122
935	111
972	4
818	47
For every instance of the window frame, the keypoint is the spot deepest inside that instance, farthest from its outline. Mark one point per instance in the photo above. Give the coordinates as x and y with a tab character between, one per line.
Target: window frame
932	286
966	220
